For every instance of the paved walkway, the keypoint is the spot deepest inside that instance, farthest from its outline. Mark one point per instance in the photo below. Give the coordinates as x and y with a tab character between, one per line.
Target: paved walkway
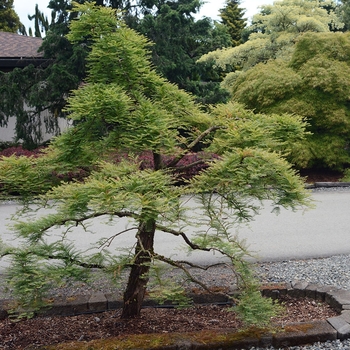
319	232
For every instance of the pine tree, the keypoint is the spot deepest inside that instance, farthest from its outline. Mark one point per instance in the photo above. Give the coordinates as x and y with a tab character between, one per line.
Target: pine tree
136	137
9	20
232	17
41	23
179	41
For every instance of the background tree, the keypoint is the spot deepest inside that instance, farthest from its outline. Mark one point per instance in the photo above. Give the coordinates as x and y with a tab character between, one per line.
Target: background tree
46	87
179	41
135	135
313	84
41	23
9	20
343	11
26	93
273	33
232	17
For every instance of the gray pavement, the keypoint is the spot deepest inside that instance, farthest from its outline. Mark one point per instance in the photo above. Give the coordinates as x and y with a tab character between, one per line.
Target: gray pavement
319	232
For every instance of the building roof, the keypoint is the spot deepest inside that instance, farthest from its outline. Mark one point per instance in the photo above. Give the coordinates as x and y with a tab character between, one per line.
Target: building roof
19	46
19	51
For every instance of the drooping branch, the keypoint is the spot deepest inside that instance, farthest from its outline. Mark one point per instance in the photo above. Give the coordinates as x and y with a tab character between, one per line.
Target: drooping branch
179	265
57	257
207	249
183	235
80	221
109	240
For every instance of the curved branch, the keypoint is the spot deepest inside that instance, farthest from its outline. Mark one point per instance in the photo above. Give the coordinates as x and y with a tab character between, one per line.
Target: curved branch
58	257
193	144
88	217
109	240
179	264
184	167
183	235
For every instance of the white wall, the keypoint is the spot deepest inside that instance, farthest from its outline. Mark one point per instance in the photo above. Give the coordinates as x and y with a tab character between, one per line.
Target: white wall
7	134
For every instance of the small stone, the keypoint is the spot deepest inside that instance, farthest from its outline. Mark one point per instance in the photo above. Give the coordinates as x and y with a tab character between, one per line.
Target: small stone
214	321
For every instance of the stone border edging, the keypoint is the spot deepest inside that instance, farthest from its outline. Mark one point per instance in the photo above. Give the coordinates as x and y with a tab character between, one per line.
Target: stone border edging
337	298
333	328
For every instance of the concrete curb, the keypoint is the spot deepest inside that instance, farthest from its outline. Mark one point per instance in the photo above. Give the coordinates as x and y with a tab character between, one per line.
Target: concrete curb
337	327
327	184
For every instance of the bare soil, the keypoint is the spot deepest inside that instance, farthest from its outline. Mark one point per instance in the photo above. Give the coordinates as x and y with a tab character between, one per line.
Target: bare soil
42	331
321	175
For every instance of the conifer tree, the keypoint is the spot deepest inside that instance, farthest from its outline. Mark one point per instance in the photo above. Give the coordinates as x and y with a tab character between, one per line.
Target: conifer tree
9	20
41	23
232	17
136	137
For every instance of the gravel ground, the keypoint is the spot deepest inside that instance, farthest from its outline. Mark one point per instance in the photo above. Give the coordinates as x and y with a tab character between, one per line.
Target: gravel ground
334	271
334	345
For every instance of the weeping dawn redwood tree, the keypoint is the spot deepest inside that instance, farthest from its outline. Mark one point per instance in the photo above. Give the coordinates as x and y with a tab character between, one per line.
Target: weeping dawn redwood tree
139	148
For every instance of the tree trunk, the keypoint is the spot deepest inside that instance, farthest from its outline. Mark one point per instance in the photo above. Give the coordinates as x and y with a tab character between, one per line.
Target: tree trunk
138	278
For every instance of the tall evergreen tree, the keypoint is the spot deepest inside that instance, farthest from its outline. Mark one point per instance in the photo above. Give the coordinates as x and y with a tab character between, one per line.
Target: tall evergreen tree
9	20
41	23
344	13
179	41
232	17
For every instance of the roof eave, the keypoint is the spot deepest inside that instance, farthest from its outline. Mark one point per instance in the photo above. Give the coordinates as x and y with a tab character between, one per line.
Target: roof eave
21	62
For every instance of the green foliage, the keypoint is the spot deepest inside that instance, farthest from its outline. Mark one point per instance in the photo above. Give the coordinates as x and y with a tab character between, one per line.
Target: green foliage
179	40
312	84
41	23
232	17
123	111
26	93
165	289
343	11
25	176
346	176
30	276
9	20
257	311
274	32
